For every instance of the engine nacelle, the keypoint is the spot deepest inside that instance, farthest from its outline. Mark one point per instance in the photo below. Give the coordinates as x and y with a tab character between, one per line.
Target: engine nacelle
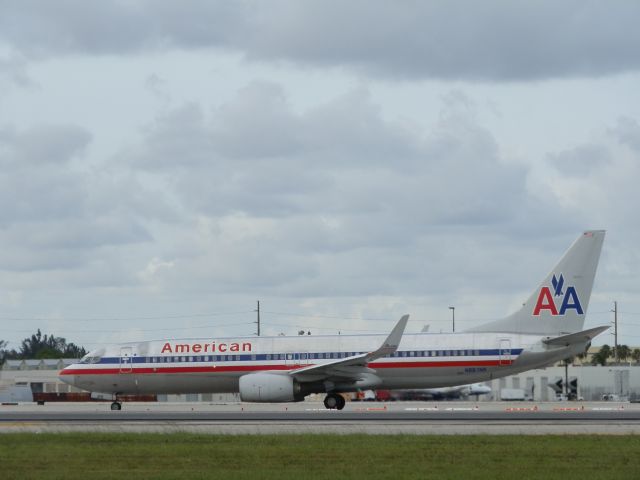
268	388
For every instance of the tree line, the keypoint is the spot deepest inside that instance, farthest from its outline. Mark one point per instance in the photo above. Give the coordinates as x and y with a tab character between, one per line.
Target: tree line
38	346
623	354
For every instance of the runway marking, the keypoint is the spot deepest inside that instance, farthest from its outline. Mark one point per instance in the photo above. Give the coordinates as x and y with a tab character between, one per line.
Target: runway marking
449	409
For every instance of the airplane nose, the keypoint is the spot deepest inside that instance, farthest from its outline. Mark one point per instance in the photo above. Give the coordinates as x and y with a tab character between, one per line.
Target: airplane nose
66	376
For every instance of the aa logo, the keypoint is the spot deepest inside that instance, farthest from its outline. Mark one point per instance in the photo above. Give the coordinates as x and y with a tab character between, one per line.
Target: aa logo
568	299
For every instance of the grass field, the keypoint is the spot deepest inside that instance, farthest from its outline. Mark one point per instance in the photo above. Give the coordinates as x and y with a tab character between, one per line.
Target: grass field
186	456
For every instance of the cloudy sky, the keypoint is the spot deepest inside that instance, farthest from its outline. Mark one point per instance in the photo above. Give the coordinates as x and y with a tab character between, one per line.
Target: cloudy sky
164	164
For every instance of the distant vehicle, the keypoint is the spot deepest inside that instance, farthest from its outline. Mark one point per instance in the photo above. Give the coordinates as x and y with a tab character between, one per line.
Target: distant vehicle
547	328
365	396
611	397
513	395
384	396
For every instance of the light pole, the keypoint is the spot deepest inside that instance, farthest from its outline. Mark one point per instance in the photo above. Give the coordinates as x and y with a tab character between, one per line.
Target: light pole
453	317
615	330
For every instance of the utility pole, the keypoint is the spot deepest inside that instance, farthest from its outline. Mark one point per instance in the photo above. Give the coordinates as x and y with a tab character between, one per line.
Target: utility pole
258	320
453	317
615	329
566	378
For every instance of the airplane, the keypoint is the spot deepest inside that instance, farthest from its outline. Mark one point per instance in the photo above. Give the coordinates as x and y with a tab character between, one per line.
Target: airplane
442	393
546	329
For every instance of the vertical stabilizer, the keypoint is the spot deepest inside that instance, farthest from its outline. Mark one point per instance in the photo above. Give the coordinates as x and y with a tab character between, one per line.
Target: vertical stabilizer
559	305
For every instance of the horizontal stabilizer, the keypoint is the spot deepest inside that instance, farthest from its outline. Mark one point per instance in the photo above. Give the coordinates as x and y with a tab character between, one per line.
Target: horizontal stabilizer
574	338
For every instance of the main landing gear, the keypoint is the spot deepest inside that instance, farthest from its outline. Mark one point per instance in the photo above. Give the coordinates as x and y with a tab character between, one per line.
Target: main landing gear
334	401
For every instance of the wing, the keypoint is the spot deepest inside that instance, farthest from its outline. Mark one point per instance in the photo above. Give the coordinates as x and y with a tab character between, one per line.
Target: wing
354	369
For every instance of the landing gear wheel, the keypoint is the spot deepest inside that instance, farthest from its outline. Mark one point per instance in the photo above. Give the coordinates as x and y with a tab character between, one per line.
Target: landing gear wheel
116	406
333	401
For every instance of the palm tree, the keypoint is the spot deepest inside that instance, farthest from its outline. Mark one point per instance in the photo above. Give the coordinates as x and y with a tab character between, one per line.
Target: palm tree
635	355
624	352
582	356
601	357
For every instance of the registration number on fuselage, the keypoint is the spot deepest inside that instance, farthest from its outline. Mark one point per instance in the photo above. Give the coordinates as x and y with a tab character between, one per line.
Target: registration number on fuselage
475	370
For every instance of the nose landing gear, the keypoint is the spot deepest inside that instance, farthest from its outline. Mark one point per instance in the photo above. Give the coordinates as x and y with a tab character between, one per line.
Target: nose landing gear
334	401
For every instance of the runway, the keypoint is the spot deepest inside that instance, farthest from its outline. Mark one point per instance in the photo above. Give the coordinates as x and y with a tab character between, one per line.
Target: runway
311	417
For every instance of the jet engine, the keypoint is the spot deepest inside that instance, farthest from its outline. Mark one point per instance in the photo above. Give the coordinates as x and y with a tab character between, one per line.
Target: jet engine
269	388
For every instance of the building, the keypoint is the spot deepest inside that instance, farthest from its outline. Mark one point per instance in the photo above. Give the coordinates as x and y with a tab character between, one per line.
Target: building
40	375
592	383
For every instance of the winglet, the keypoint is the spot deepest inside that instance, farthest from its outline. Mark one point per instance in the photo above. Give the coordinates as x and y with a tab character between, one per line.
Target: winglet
390	345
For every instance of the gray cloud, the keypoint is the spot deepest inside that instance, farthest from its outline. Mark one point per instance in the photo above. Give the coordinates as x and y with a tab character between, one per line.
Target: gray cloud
581	160
56	212
495	40
335	158
596	185
35	183
42	144
627	131
289	200
13	70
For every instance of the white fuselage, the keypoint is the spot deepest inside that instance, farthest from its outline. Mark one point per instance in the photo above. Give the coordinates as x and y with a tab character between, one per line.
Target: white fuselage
215	365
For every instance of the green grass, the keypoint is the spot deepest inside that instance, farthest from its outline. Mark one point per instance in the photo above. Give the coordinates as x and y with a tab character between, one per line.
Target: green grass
186	456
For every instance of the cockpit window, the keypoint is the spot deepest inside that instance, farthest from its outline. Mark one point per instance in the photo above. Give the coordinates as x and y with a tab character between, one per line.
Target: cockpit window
92	357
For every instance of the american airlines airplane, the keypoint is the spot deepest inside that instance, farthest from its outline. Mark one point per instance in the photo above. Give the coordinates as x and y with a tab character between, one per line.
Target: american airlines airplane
548	328
450	393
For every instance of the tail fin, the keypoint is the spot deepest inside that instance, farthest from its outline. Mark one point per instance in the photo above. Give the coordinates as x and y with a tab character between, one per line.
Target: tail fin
559	305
